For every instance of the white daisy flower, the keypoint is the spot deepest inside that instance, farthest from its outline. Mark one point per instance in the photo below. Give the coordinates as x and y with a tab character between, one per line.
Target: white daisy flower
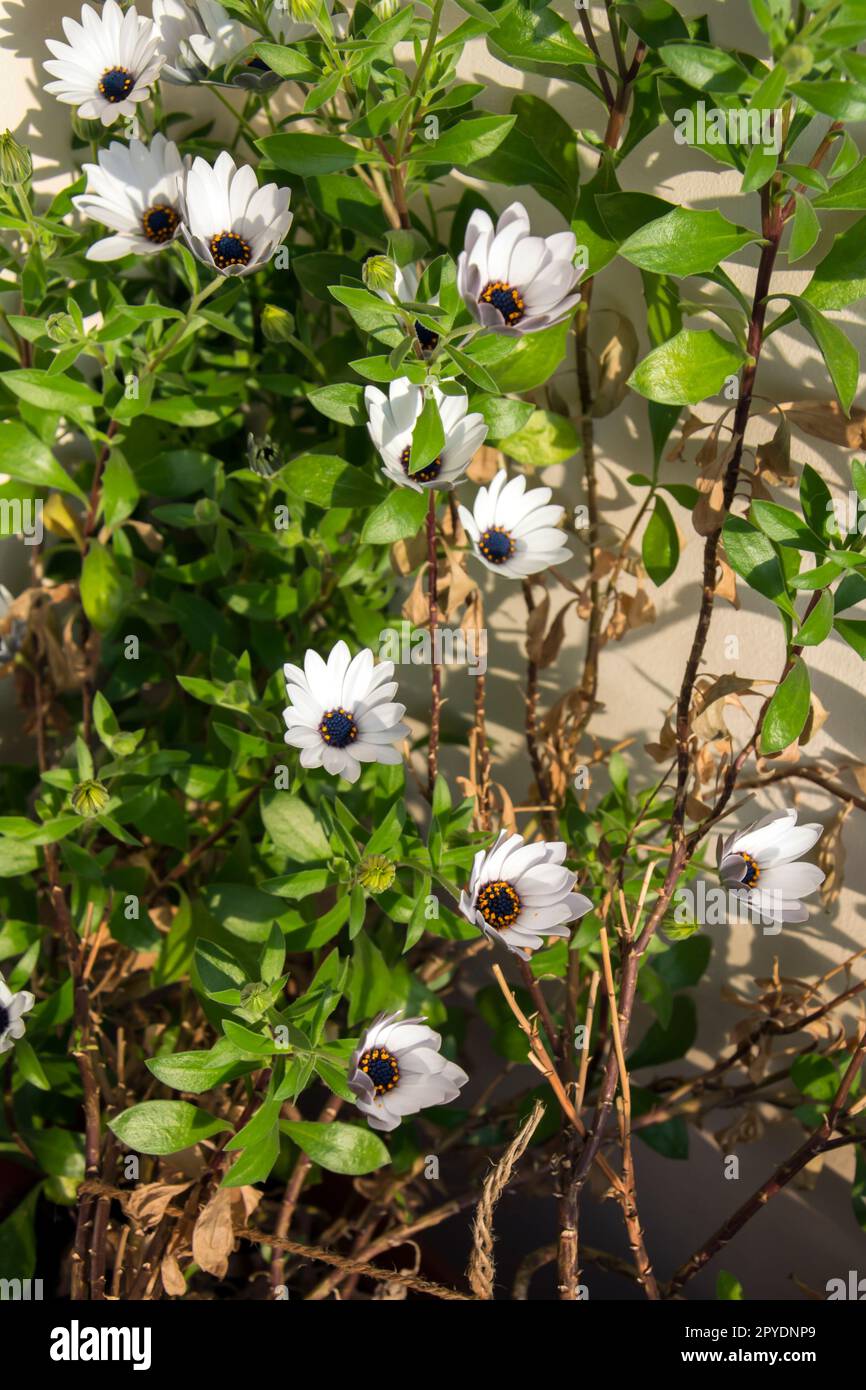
391	421
762	863
398	1070
135	190
512	281
342	712
406	283
13	1007
521	893
229	222
198	37
110	63
513	531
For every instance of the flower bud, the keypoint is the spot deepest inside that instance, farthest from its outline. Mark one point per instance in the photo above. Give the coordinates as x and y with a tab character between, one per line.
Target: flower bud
206	511
386	9
256	997
263	456
16	163
379	273
61	328
376	873
301	11
278	325
797	61
90	798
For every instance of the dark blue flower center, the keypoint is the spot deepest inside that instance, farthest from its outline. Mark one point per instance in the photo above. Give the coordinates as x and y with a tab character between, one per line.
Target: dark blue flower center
427	474
159	223
499	904
496	545
752	871
338	728
426	337
506	299
227	248
381	1067
116	83
259	64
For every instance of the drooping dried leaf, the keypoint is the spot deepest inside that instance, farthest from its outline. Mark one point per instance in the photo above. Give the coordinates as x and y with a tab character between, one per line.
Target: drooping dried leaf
213	1237
615	363
824	420
148	1203
172	1278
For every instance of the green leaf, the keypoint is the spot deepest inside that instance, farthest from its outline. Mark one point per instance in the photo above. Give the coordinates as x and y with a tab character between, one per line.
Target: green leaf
120	490
817	1077
844	101
200	1071
343	402
29	1066
340	1148
536	39
428	436
661	545
176	472
728	1288
502	415
668	1044
478	375
256	1161
816	501
684	242
760	168
103	589
849	192
805	230
819	624
788	710
753	557
27	459
326	481
654	21
244	910
286	61
164	1126
840	355
524	365
852	590
684	963
840	278
306	153
706	68
399	516
781	524
545	439
687	369
18	1238
294	828
853	631
469	140
64	395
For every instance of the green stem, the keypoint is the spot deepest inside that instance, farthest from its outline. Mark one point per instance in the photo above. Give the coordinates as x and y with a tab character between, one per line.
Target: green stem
426	58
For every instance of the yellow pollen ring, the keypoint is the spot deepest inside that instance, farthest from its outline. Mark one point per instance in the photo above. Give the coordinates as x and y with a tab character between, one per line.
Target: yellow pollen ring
515	314
380	1057
753	870
220	259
